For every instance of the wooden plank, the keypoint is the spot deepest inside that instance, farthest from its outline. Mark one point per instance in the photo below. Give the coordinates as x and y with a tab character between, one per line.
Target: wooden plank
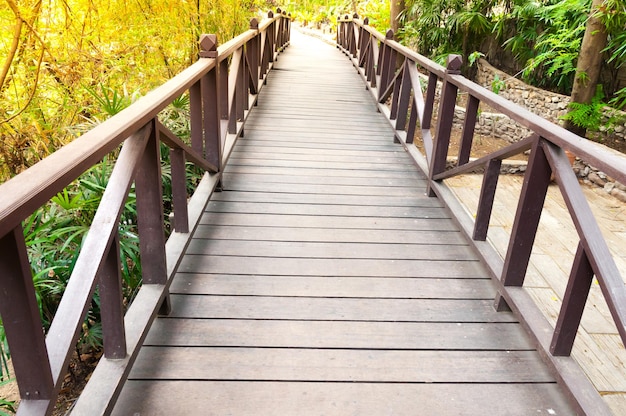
336	309
222	232
310	221
357	140
326	116
277	266
329	199
390	159
339	399
326	180
412	178
297	128
321	123
269	364
323	209
396	336
361	287
338	251
240	184
255	150
267	141
318	164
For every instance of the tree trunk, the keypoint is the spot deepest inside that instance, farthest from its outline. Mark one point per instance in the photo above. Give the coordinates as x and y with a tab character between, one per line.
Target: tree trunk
589	63
397	7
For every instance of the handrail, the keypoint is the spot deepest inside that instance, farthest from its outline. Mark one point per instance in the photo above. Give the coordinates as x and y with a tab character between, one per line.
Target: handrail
390	71
221	97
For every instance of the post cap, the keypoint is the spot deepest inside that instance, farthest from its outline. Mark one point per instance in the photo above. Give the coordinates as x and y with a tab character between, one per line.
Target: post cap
208	46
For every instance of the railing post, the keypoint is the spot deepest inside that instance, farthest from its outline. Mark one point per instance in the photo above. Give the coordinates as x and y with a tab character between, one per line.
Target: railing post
149	191
363	39
239	99
288	29
279	30
284	24
179	191
252	55
387	64
370	69
532	198
112	310
353	39
573	305
271	37
429	103
405	96
214	102
267	55
195	114
485	202
340	32
469	125
444	120
22	323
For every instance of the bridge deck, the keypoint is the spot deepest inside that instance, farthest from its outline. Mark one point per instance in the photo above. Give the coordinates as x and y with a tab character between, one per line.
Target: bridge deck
324	281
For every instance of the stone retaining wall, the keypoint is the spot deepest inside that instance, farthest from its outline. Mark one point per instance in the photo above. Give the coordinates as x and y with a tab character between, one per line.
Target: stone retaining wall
547	104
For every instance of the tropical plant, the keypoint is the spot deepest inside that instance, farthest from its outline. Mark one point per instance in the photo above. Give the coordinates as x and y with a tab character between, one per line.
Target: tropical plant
544	36
438	28
4	354
587	116
7	407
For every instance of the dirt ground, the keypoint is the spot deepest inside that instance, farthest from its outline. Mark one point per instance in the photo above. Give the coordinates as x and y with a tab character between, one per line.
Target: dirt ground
80	370
482	145
9	392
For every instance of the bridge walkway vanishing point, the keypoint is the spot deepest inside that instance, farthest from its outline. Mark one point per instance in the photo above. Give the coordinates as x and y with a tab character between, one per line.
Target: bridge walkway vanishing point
323	280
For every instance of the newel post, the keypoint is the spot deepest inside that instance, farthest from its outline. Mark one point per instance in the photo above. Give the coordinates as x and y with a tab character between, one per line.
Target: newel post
444	120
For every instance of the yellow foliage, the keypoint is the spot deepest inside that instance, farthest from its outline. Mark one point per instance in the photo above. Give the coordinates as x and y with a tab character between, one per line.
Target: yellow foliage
51	52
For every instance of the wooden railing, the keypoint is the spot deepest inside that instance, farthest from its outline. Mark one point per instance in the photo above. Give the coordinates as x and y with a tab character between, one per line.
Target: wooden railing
223	86
396	77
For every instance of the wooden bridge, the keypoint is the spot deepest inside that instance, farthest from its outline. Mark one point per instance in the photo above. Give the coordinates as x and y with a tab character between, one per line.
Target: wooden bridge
334	272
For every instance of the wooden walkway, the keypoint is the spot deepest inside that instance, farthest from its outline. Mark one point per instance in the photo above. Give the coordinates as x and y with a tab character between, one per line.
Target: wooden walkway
322	280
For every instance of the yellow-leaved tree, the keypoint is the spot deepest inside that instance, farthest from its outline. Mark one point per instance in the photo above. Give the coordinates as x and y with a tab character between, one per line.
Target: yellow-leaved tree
52	53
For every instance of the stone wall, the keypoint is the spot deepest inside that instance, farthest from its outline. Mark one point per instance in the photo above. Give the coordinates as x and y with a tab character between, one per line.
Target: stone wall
547	104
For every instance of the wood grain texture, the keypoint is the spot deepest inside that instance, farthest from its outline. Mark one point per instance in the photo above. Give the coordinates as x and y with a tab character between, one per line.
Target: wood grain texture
438	336
323	280
339	399
361	287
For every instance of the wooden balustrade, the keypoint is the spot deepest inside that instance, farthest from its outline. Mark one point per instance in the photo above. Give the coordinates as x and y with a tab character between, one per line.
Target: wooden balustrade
221	96
393	72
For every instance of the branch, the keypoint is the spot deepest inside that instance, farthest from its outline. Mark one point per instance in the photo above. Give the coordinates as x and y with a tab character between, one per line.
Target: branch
14	45
32	93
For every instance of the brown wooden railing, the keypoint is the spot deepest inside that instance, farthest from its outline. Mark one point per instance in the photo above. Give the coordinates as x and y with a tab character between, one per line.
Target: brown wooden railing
395	75
223	86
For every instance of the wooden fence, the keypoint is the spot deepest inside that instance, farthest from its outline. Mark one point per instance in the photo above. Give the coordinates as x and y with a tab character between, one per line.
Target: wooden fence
222	85
405	85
